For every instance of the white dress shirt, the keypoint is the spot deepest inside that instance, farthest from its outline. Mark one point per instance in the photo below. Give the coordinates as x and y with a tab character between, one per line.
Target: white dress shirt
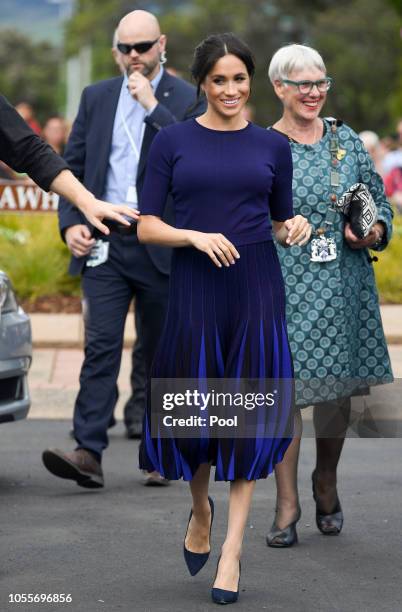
124	152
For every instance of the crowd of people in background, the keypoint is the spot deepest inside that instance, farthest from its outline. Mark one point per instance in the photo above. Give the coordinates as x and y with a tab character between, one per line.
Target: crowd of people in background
387	156
55	131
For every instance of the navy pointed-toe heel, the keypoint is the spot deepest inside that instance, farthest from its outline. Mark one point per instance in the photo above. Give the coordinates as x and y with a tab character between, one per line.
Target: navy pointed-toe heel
222	596
196	561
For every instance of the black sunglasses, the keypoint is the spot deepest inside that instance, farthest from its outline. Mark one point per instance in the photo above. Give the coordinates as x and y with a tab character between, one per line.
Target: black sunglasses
141	47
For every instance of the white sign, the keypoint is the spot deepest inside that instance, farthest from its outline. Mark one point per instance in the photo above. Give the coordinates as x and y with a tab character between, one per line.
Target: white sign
18	196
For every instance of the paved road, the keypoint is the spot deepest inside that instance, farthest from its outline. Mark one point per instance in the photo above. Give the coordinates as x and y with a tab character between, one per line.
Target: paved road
120	549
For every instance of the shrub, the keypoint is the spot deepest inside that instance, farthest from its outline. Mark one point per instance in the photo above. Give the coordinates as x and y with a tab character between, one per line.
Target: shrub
36	259
388	269
34	256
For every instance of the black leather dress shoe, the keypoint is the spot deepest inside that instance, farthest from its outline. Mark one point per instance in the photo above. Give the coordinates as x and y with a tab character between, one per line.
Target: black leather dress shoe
79	465
134	430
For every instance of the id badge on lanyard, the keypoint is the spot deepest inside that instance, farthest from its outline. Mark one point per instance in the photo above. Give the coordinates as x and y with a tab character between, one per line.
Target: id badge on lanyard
323	247
99	254
132	195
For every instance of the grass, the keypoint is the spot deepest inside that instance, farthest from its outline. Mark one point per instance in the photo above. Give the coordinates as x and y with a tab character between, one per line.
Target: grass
34	256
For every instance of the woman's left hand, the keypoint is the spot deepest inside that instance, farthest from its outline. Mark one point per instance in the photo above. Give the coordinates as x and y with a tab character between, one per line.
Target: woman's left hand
366	243
97	210
299	230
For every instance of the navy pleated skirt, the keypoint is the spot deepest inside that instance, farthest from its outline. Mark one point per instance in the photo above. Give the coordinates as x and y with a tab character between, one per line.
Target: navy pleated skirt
223	323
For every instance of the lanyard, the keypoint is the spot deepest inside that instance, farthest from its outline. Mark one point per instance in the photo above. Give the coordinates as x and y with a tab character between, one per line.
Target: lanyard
129	135
332	210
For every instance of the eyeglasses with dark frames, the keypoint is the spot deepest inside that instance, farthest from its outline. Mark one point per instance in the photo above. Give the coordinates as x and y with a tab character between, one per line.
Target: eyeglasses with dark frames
141	47
305	87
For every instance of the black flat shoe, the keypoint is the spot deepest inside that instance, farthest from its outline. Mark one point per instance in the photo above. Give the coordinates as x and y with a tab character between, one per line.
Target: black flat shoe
196	561
223	597
134	430
329	524
286	537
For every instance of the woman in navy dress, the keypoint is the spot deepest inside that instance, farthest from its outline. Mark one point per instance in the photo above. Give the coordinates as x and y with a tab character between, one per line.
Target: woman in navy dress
231	184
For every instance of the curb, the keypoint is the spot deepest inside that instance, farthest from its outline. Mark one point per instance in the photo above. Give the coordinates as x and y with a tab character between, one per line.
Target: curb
76	344
395	339
66	331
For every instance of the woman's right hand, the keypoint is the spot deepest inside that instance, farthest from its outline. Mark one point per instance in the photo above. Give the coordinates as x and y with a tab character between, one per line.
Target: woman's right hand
219	248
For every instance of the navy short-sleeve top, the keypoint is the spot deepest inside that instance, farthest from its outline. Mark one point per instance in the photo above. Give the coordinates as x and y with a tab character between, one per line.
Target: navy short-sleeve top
231	182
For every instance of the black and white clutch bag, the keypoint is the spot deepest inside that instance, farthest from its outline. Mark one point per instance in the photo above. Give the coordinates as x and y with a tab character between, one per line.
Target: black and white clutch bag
358	206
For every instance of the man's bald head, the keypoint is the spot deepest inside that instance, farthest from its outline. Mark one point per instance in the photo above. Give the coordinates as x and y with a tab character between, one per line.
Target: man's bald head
139	27
138	24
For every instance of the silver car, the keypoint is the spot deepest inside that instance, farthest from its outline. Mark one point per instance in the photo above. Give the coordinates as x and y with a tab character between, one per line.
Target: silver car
15	354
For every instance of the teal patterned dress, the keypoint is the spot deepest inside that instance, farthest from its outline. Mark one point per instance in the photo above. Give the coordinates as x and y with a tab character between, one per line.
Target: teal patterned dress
333	315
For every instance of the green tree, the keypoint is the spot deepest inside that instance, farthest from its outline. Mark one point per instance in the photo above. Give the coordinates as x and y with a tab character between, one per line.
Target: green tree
362	52
30	71
397	4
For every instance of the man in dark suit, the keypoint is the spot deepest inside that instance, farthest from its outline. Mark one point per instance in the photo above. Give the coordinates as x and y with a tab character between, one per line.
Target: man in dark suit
107	150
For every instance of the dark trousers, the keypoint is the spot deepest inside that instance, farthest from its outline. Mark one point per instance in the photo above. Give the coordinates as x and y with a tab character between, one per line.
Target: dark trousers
108	290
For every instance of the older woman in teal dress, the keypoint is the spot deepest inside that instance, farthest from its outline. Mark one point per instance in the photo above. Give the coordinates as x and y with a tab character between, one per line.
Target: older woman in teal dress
333	314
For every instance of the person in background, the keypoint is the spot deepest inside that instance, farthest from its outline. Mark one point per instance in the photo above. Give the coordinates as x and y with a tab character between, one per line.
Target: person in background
26	111
54	133
108	149
388	144
393	188
134	407
393	159
333	315
374	148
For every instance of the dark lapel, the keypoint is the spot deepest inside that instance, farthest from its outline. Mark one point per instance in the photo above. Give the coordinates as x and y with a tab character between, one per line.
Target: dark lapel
162	94
105	120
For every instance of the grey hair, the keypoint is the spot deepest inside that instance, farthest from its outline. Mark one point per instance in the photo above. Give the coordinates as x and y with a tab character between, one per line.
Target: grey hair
293	58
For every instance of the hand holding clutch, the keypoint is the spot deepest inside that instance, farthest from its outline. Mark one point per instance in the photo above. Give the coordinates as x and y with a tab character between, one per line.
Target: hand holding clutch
358	206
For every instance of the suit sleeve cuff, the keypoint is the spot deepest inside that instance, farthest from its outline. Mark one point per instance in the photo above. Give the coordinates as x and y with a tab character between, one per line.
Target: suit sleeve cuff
160	117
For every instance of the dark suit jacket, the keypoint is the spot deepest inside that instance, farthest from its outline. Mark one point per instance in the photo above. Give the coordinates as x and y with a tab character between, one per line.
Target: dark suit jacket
24	151
88	148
